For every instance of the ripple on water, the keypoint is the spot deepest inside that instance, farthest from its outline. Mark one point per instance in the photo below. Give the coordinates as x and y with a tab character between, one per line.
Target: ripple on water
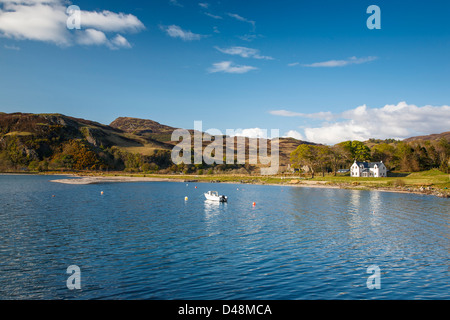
143	241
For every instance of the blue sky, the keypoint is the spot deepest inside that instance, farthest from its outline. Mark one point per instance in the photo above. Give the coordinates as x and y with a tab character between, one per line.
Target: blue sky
311	69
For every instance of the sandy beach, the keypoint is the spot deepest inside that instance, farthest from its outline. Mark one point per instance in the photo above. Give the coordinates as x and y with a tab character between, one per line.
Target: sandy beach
97	180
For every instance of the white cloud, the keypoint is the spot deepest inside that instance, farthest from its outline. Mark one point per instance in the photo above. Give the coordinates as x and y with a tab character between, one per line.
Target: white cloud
34	20
398	121
92	37
95	37
294	134
251	133
120	42
240	18
293	64
175	3
15	48
244	52
229	67
213	16
340	63
45	20
176	32
111	22
204	5
319	115
250	37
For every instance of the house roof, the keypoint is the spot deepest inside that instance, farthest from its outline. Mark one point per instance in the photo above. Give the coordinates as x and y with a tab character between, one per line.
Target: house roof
368	164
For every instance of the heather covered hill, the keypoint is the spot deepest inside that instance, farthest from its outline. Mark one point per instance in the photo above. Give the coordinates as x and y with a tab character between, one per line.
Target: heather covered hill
55	141
58	142
431	137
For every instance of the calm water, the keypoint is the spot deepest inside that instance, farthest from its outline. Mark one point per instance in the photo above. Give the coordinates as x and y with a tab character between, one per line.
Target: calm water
144	241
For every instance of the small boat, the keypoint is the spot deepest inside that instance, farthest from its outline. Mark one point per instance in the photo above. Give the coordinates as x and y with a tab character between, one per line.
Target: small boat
214	196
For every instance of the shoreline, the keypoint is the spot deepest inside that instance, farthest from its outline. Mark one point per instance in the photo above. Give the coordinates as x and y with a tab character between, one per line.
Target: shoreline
86	180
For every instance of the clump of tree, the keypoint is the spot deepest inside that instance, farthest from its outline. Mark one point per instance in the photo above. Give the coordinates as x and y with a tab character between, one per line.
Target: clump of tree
77	155
396	155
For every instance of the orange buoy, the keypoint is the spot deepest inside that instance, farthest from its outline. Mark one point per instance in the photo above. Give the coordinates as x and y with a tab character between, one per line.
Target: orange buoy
101	193
254	203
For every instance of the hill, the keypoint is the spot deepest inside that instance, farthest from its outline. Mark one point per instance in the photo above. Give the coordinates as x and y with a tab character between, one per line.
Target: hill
431	137
56	141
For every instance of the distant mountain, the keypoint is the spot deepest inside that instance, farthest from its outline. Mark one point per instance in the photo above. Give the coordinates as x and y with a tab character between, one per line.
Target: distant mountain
439	136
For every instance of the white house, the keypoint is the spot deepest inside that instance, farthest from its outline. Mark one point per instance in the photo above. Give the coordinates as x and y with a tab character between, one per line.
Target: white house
368	169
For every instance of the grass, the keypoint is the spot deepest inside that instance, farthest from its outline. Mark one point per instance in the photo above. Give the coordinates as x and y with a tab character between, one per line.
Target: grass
19	133
432	177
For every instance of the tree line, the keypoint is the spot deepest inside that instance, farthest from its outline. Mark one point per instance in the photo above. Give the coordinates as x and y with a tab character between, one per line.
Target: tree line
396	155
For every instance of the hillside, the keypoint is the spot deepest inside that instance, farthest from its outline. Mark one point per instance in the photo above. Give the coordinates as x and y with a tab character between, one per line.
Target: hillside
56	141
431	137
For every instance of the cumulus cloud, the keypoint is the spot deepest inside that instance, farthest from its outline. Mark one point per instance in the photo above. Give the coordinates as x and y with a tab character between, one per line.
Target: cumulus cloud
338	63
34	20
230	67
251	133
111	22
176	32
92	37
120	42
46	21
294	134
398	121
243	52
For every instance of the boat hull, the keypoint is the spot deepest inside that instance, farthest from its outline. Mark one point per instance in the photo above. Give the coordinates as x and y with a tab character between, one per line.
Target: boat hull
216	198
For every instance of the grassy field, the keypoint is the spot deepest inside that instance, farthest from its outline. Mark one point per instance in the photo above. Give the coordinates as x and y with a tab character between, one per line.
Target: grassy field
431	178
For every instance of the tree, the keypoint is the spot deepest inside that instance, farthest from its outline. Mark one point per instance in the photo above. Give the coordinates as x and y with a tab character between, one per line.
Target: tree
323	157
405	158
339	156
78	155
383	152
306	155
358	150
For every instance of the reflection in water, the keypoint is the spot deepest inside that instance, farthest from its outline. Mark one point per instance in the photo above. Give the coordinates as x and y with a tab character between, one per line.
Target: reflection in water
212	211
375	208
212	208
356	221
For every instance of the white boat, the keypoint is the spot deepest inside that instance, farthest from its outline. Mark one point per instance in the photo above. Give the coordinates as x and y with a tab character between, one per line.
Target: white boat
214	196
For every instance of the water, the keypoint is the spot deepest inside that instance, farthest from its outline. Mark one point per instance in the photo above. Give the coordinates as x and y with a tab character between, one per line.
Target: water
144	241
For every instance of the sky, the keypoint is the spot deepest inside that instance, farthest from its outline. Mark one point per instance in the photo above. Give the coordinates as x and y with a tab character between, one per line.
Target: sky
314	70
